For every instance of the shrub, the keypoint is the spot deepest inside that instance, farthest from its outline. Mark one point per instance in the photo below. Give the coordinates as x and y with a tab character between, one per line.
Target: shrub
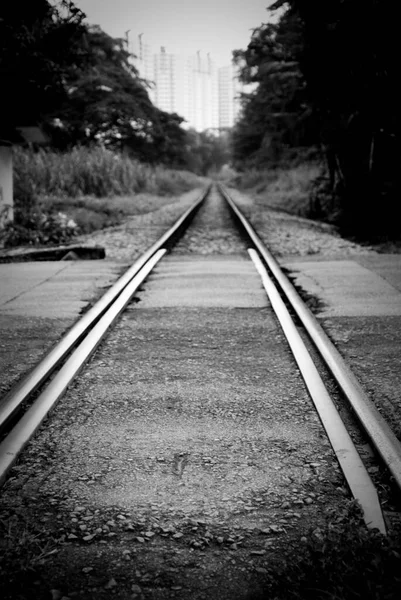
92	172
39	228
90	181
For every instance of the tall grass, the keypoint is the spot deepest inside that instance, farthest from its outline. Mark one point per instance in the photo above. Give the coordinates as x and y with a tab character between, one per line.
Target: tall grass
58	195
290	189
92	172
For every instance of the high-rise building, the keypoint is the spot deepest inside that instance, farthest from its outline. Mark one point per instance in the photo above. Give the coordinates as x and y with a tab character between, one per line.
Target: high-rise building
164	68
188	87
143	61
192	87
203	106
229	96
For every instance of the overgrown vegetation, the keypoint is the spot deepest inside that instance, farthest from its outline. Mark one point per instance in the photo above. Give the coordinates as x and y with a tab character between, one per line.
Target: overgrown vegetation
92	171
326	76
292	189
58	195
84	89
105	137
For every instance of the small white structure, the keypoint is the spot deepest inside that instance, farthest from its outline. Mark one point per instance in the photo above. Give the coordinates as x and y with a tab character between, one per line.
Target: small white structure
6	184
25	134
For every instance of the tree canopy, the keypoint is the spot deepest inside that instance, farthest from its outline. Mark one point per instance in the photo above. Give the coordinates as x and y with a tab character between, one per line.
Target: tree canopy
327	74
276	115
79	84
350	62
107	102
38	43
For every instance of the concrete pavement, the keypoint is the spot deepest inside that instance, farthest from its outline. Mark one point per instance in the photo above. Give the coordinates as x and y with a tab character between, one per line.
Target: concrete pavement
52	289
39	301
199	281
359	287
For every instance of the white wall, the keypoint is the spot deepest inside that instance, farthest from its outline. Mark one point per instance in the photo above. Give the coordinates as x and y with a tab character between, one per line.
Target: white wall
6	183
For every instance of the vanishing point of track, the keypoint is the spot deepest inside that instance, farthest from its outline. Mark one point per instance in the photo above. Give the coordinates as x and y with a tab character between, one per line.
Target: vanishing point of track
25	407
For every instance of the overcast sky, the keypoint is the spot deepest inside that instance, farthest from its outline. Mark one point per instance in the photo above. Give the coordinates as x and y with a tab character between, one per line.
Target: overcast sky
182	26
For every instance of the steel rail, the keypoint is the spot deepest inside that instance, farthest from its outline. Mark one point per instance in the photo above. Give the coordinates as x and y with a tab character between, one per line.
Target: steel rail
20	435
14	399
354	470
378	430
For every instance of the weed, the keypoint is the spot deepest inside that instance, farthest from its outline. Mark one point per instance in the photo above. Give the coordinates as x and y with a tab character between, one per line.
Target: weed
291	189
92	172
58	195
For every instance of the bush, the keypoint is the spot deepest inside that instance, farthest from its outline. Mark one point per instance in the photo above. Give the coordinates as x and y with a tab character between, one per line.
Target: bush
291	190
98	186
39	228
92	172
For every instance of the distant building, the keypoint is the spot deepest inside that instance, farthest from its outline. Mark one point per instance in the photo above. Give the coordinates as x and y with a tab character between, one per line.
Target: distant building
165	80
229	96
143	61
203	107
190	86
171	78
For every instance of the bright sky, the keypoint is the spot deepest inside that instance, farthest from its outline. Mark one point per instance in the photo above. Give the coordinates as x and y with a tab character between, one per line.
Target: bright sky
182	26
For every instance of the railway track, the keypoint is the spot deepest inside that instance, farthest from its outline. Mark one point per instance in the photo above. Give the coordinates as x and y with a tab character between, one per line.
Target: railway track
25	407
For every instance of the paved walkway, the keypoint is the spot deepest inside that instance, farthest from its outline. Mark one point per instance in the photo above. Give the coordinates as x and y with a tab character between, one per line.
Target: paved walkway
53	289
362	287
198	281
39	301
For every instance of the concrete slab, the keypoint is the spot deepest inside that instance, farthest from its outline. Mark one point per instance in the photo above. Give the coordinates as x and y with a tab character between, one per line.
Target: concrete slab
52	289
347	288
204	282
387	266
39	302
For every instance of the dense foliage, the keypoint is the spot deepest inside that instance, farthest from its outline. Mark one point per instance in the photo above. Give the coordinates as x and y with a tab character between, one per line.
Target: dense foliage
39	42
275	114
108	103
84	90
327	73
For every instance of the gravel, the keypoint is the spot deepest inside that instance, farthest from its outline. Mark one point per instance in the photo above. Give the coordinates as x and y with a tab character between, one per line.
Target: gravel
186	460
213	232
129	240
289	235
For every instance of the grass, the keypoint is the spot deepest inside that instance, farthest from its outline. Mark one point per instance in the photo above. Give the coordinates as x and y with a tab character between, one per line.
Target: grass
91	214
303	189
86	188
290	189
92	172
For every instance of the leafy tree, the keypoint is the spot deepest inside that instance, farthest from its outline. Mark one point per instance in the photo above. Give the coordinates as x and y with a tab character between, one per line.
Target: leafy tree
349	59
276	115
108	103
38	42
168	144
206	152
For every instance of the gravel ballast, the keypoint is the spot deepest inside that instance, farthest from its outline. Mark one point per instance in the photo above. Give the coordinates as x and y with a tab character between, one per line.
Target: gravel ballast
187	460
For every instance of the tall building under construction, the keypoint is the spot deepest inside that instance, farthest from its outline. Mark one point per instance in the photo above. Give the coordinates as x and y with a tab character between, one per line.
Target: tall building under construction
192	86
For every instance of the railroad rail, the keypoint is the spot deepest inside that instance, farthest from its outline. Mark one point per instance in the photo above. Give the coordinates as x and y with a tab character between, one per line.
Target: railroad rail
69	356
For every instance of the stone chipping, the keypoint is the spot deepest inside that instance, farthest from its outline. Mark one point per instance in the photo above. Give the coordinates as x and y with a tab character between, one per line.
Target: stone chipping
186	460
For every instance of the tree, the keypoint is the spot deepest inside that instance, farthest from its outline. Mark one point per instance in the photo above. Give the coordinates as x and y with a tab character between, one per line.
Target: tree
206	152
38	42
108	103
276	115
349	59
